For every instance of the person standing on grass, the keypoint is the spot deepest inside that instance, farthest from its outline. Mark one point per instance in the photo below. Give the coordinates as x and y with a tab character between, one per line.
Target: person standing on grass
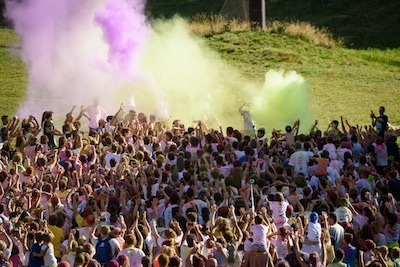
49	130
248	125
380	122
94	114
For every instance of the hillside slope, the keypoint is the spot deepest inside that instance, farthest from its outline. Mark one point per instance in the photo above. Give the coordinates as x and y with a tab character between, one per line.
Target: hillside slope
361	23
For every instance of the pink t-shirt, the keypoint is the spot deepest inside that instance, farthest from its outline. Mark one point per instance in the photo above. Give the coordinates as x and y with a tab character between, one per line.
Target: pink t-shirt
260	232
278	208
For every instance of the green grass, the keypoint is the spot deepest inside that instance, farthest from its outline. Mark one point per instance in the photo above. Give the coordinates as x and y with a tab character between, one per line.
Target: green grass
183	8
343	81
361	23
13	74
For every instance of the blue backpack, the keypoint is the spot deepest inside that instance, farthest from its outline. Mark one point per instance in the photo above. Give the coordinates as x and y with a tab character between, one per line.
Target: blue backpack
103	251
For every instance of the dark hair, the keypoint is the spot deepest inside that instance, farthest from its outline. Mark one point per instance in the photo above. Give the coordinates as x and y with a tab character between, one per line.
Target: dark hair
348	238
333	216
392	218
53	219
174	261
339	254
258	219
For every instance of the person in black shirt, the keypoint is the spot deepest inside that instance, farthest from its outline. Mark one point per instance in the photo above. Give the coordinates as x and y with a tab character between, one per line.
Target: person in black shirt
49	130
380	122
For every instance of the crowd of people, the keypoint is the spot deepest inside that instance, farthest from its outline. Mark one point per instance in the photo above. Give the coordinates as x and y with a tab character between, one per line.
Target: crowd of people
136	191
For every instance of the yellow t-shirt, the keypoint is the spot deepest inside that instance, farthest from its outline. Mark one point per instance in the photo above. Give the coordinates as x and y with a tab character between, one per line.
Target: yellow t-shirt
58	239
79	220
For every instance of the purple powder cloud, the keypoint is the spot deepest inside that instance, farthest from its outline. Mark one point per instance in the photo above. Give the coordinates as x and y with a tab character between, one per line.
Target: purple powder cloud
126	32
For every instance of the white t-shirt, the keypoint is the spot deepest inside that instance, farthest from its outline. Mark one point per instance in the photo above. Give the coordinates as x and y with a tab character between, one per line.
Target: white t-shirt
299	160
185	252
168	213
197	202
49	258
110	156
278	208
314	232
281	247
134	255
225	170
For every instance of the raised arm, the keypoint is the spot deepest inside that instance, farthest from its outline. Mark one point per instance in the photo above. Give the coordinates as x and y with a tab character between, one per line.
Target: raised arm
118	114
343	126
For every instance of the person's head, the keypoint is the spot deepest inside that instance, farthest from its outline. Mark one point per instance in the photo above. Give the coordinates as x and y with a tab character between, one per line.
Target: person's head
190	193
163	260
258	219
63	264
279	197
313	258
325	154
339	255
260	132
282	263
146	261
395	254
391	219
283	232
123	260
384	250
47	237
130	240
5	119
229	130
113	263
314	217
192	217
369	244
297	145
53	219
332	218
334	124
175	261
211	262
381	110
104	231
348	238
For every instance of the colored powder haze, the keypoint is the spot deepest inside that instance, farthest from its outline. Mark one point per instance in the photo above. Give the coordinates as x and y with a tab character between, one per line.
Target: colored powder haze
77	50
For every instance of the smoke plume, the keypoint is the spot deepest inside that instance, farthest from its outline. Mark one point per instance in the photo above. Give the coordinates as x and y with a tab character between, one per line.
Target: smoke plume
77	50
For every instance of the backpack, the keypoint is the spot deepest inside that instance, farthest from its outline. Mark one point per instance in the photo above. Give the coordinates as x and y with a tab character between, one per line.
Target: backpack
103	251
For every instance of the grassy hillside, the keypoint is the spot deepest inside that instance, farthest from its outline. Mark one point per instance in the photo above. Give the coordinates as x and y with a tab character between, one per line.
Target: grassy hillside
361	23
184	8
13	75
343	81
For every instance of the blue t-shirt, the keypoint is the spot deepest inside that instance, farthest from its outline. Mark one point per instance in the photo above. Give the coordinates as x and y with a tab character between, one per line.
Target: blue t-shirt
350	254
36	261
